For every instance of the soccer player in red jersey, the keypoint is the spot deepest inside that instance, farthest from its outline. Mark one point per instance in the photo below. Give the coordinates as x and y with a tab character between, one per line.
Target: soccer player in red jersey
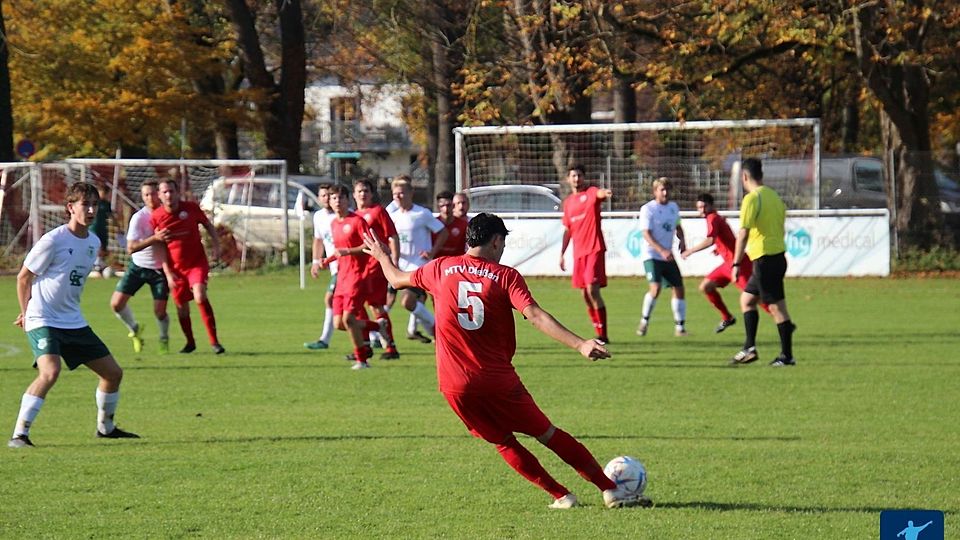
476	340
176	222
456	243
581	221
375	283
721	237
347	229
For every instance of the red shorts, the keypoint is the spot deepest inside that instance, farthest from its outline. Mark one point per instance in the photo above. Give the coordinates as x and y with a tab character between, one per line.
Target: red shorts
376	288
721	275
496	417
348	303
590	270
185	279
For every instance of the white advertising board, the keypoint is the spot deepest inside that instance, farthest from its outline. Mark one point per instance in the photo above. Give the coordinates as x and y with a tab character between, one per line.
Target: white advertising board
833	243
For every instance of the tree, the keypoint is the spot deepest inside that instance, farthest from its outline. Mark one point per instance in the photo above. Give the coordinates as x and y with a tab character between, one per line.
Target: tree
898	44
280	103
89	77
6	112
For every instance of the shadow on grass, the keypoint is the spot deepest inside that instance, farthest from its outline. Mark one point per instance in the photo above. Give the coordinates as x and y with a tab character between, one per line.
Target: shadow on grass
754	507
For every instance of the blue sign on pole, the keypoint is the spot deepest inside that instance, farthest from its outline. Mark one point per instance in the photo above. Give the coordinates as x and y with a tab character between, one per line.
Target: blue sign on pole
25	148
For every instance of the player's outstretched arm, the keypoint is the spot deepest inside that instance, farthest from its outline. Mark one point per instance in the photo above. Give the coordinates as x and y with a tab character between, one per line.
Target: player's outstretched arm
373	247
546	323
707	242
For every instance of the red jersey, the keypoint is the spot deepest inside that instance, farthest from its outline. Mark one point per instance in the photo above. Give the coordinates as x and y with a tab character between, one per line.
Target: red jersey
581	216
379	222
348	233
456	243
476	338
724	241
186	249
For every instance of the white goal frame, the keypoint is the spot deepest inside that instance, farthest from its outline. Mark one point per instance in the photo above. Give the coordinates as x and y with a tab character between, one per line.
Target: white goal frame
462	168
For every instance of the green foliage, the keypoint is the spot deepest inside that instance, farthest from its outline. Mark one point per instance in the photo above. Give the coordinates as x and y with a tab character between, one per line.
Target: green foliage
272	440
937	259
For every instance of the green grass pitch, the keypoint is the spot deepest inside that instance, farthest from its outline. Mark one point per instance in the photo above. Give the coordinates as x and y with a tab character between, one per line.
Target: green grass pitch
272	440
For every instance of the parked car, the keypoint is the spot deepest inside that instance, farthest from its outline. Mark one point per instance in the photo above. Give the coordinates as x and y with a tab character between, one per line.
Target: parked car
509	198
845	182
252	208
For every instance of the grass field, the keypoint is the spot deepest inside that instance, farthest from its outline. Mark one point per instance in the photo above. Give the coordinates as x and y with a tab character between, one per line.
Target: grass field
272	440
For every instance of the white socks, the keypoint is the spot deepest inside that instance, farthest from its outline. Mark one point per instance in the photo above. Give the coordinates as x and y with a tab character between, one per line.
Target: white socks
426	318
649	302
327	326
411	324
126	315
106	407
679	311
164	325
29	408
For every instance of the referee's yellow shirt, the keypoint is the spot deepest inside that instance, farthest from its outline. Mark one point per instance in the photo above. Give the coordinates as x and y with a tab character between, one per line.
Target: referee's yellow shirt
764	214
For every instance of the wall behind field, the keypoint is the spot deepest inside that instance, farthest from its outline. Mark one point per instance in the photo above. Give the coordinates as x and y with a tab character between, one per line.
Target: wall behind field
830	243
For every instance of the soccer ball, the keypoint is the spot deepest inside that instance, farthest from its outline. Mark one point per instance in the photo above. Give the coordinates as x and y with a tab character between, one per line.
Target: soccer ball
107	272
628	473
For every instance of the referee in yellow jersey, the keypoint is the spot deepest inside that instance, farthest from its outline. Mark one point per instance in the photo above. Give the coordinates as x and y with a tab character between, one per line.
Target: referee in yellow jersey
761	237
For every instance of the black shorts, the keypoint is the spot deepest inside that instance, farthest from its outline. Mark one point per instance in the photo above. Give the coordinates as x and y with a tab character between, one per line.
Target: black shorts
767	279
136	277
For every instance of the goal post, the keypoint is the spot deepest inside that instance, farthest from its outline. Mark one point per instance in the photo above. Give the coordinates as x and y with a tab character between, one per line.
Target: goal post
700	156
228	190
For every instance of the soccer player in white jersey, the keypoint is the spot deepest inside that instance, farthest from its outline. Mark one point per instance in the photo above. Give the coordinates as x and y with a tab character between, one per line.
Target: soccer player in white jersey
322	245
416	226
660	221
48	290
147	253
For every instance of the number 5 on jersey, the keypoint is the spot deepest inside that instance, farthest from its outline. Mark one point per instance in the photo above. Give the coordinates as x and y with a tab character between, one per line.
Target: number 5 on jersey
472	319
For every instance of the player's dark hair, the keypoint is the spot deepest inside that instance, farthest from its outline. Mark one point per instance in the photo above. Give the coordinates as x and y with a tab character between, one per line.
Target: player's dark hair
327	186
365	182
705	198
483	227
152	183
444	195
170	182
80	191
341	190
754	168
577	167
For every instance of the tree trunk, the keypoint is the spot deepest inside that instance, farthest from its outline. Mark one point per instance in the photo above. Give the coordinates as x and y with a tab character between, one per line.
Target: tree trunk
281	112
6	108
914	198
443	164
903	90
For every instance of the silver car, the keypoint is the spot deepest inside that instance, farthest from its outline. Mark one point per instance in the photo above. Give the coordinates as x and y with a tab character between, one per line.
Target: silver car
513	198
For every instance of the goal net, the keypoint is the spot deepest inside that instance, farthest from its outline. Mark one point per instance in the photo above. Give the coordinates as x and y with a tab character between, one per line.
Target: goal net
696	156
248	201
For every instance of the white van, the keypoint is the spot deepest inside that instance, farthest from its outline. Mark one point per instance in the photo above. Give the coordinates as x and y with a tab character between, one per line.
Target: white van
252	208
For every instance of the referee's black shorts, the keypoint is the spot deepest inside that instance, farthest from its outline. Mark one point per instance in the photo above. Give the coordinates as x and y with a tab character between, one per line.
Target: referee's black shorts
767	279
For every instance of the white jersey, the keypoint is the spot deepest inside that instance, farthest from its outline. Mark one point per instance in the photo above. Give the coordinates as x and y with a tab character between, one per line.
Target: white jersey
61	262
414	227
322	230
140	229
661	220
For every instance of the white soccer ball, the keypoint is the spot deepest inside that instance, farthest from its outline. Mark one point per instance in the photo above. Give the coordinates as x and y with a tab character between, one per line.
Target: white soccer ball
107	272
628	473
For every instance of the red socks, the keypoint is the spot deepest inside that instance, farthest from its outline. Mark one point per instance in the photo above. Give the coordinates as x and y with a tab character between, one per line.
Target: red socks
577	456
209	321
599	319
525	463
187	328
717	301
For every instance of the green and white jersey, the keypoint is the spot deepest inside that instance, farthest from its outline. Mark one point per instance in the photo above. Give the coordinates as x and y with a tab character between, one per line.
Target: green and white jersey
61	262
140	229
661	220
